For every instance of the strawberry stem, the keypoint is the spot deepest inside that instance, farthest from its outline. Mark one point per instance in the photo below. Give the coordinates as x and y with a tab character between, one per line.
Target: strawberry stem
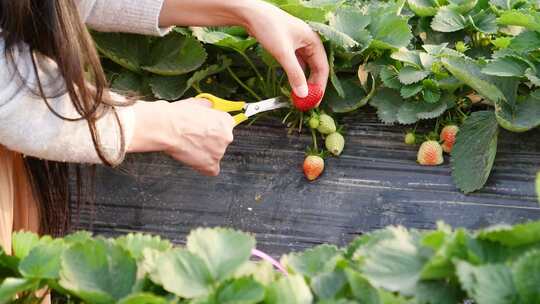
314	137
242	84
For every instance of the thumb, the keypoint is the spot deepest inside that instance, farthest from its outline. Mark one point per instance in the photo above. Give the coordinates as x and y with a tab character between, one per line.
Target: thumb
296	75
203	102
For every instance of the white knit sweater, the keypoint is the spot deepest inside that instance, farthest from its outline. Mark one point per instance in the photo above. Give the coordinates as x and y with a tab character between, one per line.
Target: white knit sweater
29	127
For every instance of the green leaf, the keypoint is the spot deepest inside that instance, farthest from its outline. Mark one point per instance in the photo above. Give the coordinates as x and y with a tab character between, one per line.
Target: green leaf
394	264
487	284
291	289
305	13
127	50
512	236
128	83
388	102
462	6
411	90
143	298
10	287
23	243
217	36
43	261
505	67
521	114
423	8
410	75
240	291
354	96
526	272
431	95
312	261
526	42
440	265
361	289
174	55
407	56
474	152
484	22
169	88
135	243
389	77
336	37
98	271
183	273
413	111
223	250
527	19
469	72
202	74
390	31
439	292
448	20
328	285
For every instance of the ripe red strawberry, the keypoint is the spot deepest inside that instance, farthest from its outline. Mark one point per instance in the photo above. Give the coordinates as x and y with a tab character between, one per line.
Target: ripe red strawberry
313	167
430	154
309	102
448	137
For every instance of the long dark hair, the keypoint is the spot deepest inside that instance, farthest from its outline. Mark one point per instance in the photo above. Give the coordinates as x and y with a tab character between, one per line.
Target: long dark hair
53	28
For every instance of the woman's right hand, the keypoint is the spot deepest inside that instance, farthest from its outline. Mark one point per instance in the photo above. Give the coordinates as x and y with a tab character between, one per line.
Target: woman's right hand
189	131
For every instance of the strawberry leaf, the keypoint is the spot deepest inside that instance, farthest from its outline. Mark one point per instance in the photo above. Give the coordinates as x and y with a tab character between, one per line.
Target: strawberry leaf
448	20
526	272
512	236
474	152
174	55
128	50
487	284
469	72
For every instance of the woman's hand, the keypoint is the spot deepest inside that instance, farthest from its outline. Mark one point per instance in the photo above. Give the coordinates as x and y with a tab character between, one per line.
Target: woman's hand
290	40
188	130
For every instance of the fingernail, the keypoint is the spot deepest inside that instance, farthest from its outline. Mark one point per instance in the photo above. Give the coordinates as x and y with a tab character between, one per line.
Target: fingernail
301	91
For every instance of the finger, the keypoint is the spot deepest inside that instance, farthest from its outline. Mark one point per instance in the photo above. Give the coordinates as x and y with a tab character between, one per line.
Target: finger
294	71
203	102
315	56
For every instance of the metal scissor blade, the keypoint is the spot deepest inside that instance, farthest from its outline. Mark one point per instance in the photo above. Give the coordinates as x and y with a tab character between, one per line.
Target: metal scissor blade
266	105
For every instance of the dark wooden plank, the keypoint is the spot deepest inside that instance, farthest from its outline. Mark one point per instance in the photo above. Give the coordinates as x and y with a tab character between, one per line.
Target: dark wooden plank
262	190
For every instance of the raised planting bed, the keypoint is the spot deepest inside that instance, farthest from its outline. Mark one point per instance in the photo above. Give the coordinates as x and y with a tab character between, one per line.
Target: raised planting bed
375	183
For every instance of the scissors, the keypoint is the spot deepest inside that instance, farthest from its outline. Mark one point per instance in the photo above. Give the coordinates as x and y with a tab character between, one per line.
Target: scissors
247	109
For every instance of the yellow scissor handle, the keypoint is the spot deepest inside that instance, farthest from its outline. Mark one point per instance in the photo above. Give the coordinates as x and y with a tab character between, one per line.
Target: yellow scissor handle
226	106
223	104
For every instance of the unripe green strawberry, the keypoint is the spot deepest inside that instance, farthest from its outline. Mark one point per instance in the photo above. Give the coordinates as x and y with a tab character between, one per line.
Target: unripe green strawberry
461	47
327	125
410	138
335	143
538	186
430	154
313	167
314	121
448	137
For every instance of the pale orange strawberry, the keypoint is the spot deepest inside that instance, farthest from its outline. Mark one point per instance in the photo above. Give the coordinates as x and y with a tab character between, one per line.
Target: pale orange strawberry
313	167
430	154
448	137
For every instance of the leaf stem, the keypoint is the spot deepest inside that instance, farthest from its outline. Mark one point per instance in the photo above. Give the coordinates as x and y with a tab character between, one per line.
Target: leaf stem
315	145
242	84
250	62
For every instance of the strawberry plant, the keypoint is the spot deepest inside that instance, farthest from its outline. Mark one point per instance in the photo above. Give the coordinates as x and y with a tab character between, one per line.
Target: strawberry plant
394	265
473	64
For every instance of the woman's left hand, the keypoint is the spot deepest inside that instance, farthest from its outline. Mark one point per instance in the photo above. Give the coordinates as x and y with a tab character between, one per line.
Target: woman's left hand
289	39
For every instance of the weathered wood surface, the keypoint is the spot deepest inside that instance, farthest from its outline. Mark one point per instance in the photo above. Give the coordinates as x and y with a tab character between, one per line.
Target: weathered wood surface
262	190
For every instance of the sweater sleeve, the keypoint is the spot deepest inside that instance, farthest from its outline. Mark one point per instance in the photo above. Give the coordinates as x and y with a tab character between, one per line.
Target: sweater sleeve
129	16
29	127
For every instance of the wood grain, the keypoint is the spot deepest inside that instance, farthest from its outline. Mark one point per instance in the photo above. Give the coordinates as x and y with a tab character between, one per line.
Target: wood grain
262	190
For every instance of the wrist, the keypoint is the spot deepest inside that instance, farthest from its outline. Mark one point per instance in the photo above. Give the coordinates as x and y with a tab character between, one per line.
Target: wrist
151	127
